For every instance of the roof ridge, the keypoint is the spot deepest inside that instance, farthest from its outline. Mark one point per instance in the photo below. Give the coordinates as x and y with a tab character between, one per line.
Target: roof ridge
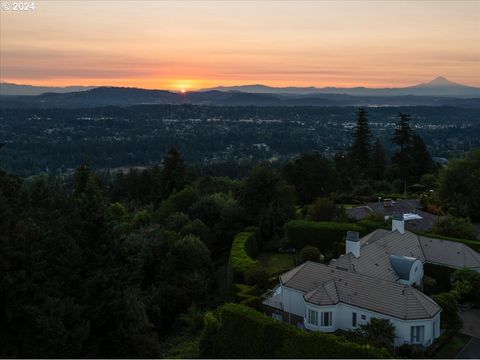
418	293
421	246
326	290
297	269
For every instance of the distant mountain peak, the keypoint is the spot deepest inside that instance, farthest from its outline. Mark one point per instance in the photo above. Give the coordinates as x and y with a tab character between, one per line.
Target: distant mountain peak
441	81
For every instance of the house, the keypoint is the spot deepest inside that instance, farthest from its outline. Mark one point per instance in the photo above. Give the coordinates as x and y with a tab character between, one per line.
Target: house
374	278
416	219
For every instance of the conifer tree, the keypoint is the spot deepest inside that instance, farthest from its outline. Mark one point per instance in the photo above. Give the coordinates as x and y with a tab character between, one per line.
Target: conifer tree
402	138
174	173
378	161
360	149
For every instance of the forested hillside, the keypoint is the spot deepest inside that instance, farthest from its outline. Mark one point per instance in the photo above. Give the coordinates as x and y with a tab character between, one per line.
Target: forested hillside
126	264
59	140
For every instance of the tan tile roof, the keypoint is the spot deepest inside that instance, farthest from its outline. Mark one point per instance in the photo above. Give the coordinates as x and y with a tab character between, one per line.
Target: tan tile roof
449	253
375	253
322	285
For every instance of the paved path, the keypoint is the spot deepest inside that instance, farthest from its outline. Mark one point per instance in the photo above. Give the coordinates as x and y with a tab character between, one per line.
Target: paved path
471	350
471	322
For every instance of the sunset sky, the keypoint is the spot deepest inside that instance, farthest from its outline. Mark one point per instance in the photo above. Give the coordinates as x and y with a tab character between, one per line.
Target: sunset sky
197	44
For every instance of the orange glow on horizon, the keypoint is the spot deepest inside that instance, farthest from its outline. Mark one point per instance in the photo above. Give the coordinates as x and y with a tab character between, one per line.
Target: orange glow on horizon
285	43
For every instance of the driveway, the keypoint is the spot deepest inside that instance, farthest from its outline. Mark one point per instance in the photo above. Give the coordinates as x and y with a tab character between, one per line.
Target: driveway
471	350
471	322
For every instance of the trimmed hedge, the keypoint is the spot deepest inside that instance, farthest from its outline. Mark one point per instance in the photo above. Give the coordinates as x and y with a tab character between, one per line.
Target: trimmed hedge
244	295
370	225
322	235
246	333
244	251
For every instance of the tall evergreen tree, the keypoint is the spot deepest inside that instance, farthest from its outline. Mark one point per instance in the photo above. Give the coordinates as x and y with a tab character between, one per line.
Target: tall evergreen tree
403	132
402	138
421	160
360	149
174	173
378	160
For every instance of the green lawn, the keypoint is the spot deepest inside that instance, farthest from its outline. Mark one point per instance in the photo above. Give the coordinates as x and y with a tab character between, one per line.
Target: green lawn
276	263
349	206
452	347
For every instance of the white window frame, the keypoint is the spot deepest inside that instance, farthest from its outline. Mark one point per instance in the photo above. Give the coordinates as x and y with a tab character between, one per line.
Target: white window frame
277	316
312	317
417	334
326	319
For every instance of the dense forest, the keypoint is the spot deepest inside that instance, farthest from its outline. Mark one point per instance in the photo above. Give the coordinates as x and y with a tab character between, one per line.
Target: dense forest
59	140
104	264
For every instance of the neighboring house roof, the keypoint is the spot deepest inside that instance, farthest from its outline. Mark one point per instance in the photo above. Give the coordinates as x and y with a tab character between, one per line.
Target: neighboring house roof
377	247
324	285
402	265
400	206
449	253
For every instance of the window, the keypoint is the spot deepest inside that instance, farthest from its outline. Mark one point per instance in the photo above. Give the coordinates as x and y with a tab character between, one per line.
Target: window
354	319
277	316
326	319
364	317
417	334
312	317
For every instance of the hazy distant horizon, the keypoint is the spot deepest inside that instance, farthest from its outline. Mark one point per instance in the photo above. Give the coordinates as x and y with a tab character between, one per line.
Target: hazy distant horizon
202	44
73	85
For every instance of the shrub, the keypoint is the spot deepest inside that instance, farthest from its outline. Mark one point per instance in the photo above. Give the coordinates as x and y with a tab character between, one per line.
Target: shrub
322	235
378	332
441	275
410	351
429	284
208	337
310	253
448	303
256	276
323	209
246	333
473	278
455	227
244	251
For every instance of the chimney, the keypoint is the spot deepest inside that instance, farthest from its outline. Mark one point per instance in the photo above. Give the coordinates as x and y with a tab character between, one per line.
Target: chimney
398	223
352	245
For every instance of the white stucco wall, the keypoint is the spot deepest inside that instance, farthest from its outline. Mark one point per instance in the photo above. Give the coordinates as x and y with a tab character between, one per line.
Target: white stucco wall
294	302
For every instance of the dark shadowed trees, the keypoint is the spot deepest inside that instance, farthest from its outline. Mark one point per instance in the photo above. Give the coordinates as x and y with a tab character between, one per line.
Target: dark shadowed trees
174	173
360	149
378	163
312	175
